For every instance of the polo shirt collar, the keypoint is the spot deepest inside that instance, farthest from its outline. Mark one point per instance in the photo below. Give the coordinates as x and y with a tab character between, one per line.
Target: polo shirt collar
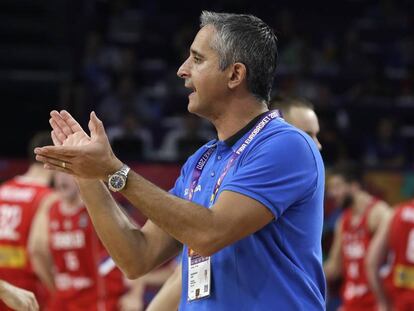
234	138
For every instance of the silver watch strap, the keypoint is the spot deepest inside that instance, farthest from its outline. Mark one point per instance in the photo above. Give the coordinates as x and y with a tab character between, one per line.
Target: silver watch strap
124	170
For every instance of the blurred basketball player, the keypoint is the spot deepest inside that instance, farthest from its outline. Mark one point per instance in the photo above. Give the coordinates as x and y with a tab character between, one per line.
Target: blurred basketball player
396	239
20	199
84	276
362	217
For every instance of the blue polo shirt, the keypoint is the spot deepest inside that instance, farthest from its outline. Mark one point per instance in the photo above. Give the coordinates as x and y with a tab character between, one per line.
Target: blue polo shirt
280	266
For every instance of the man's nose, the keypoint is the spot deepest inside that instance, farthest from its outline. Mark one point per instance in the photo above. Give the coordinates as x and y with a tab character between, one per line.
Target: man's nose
184	70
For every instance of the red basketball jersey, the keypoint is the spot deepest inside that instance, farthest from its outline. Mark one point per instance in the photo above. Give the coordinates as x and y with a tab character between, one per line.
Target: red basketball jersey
19	200
400	283
356	294
85	276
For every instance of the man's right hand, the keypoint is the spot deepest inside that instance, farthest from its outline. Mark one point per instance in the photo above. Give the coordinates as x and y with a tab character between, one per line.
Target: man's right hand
77	153
17	298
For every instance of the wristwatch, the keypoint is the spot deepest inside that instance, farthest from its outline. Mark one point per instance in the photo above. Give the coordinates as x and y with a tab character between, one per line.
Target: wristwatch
117	181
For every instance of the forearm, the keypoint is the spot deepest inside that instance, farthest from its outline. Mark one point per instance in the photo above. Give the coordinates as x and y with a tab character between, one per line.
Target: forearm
331	271
189	223
380	218
375	284
372	264
168	297
42	265
39	248
333	264
157	277
377	253
124	241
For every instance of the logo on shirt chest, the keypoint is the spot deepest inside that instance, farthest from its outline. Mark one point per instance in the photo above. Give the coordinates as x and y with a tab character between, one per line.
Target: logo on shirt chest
68	240
354	250
196	189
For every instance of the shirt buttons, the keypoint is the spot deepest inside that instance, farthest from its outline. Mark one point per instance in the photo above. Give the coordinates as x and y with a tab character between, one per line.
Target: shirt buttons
212	174
219	157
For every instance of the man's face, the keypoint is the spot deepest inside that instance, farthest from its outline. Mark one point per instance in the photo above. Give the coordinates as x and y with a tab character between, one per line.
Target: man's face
339	190
306	120
202	74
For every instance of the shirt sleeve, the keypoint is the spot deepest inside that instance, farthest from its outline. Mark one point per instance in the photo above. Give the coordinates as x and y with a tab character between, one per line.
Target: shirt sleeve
279	172
178	189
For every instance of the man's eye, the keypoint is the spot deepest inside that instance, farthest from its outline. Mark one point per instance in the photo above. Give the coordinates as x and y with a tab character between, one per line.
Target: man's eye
197	60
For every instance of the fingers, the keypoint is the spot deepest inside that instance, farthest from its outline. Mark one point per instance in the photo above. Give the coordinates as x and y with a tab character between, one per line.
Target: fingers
58	133
63	153
33	303
58	168
52	161
64	125
59	124
56	165
55	139
36	306
91	127
70	121
96	126
65	164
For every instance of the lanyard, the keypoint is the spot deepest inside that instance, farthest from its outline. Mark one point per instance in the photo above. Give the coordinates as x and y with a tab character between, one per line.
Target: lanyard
198	169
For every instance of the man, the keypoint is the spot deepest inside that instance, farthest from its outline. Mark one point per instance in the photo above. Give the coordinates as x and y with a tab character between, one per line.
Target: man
84	276
359	222
17	298
396	239
247	207
20	200
300	113
297	111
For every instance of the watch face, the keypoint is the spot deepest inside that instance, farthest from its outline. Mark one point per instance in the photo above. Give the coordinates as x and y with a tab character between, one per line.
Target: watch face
117	182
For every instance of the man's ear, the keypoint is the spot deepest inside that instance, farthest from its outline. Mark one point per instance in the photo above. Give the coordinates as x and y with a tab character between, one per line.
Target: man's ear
237	75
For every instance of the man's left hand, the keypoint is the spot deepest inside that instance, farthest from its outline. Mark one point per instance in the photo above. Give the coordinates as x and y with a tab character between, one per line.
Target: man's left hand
77	153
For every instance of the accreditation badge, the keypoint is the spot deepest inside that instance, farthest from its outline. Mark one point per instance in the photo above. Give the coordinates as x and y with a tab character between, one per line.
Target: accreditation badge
199	272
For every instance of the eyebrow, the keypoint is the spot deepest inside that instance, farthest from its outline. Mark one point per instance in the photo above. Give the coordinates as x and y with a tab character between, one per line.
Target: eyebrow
196	53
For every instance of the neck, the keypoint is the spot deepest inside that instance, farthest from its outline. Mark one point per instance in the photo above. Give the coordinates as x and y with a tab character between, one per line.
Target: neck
236	116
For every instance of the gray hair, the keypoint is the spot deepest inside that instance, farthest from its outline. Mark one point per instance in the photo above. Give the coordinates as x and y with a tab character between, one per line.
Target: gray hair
245	39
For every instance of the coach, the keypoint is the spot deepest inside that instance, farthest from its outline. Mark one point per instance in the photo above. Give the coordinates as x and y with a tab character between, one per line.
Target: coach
247	207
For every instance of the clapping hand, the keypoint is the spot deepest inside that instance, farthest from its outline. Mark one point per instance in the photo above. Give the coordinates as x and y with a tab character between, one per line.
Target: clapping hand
75	152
